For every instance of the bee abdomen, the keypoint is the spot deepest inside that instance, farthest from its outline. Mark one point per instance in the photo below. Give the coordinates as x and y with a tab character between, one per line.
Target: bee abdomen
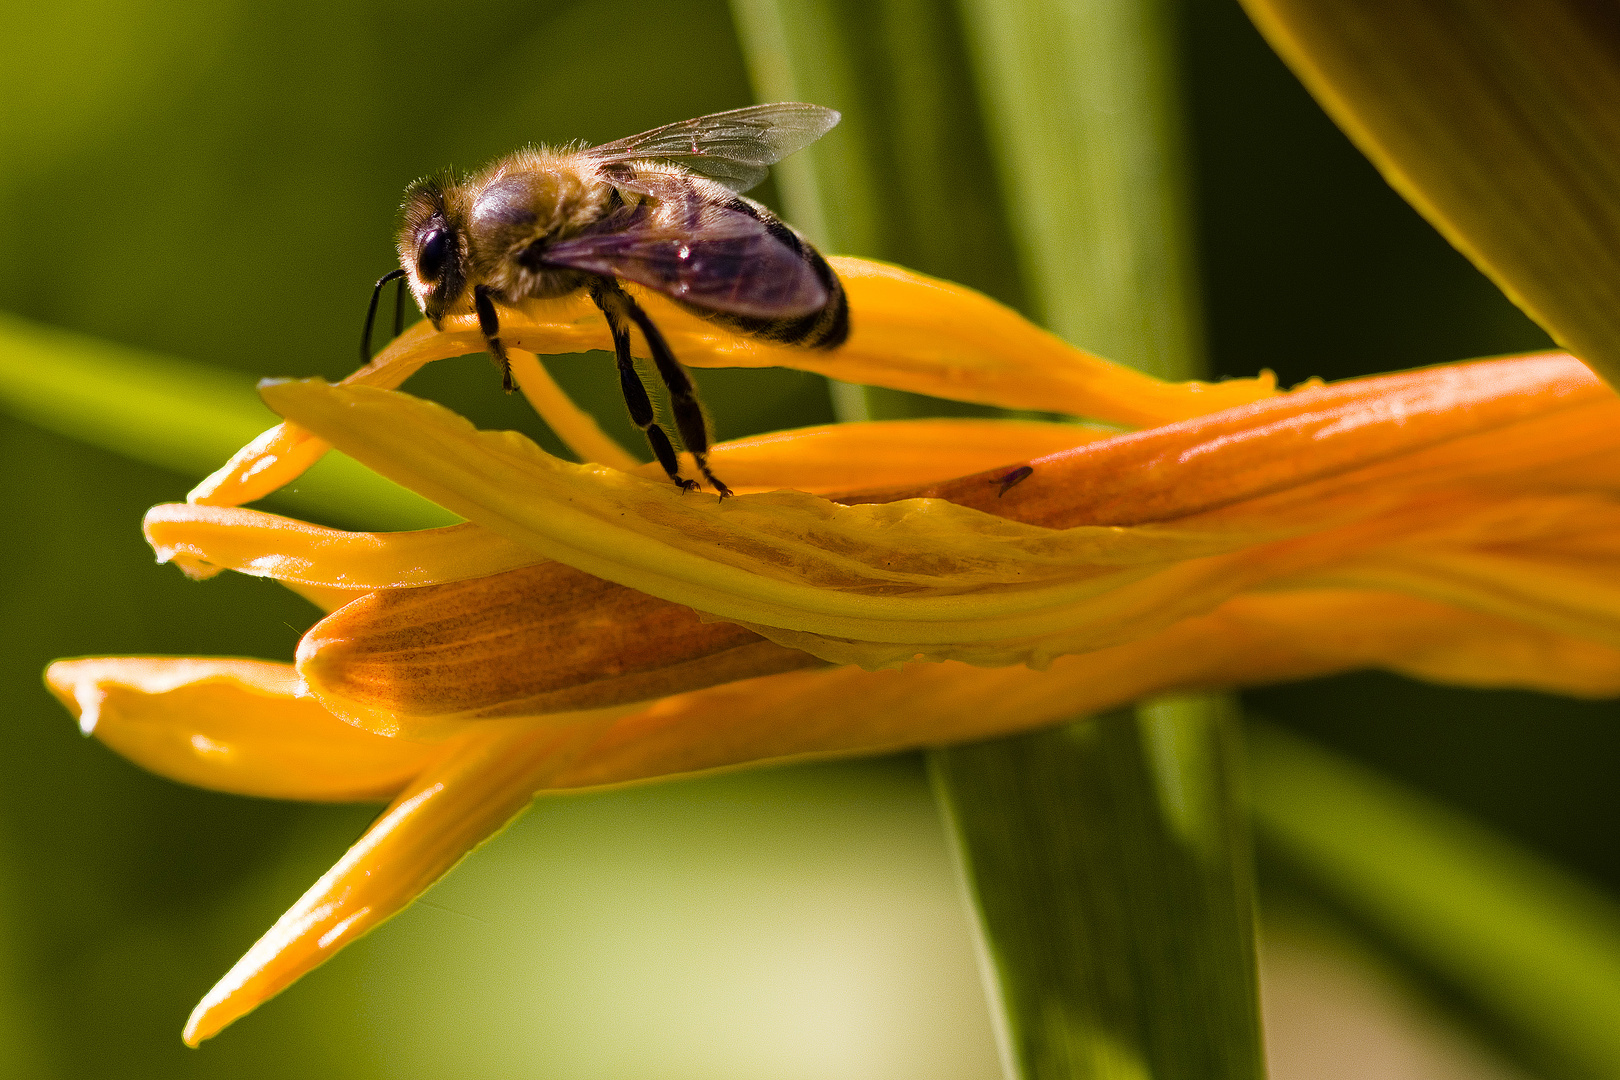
826	328
823	329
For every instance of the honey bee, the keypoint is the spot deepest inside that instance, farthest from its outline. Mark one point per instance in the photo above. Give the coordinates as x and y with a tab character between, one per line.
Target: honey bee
664	210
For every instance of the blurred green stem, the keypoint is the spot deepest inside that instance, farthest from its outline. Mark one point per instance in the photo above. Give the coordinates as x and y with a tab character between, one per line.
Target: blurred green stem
1108	862
907	175
179	415
1532	948
1109	858
1085	124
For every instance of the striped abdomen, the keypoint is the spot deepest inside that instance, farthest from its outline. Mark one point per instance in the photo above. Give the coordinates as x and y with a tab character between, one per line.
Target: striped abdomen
823	329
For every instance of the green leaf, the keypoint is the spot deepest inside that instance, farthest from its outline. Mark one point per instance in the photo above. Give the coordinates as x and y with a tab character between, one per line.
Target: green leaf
907	175
177	415
1499	120
1109	863
1087	133
1521	940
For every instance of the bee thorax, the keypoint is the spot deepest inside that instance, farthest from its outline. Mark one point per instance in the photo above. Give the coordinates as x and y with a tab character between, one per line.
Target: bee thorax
512	281
519	208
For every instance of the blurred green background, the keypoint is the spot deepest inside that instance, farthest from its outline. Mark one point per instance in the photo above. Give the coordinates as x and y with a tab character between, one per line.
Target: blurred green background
218	184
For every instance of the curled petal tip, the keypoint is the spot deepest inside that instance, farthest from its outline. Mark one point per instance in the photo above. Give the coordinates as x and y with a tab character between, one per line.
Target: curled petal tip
82	697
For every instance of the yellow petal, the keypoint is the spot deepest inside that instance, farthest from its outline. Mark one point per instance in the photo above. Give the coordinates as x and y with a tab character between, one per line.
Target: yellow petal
875	585
272	461
469	795
242	726
576	428
202	540
551	637
281	454
909	332
1499	122
918	574
884	454
1501	421
1546	562
489	776
913	332
1249	640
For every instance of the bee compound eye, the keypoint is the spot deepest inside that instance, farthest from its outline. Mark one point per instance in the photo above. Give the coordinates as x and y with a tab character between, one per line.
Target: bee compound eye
432	254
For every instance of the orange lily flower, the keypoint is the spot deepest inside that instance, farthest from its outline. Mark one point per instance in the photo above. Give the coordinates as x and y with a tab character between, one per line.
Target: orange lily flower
593	625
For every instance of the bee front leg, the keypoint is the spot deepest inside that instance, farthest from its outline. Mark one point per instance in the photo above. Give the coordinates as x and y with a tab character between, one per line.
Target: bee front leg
490	324
612	300
683	399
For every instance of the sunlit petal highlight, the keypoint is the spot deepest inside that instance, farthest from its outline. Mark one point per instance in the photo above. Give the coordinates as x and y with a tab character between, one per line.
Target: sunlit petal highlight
909	332
240	726
463	800
203	540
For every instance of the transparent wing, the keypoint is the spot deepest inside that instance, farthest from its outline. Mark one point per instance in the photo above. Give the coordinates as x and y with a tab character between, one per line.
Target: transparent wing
735	148
728	262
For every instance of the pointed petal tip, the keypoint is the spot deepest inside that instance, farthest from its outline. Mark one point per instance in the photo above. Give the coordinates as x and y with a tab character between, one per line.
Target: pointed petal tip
450	809
224	1004
198	1027
300	941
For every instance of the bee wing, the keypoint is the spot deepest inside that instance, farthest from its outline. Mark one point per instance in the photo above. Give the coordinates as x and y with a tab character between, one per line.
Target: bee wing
734	148
730	262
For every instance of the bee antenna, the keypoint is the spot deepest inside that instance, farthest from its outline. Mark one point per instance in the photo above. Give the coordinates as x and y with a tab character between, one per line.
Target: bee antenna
399	307
371	311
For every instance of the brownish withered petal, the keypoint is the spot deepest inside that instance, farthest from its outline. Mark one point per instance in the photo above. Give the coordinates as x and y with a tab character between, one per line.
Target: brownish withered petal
540	639
1319	434
1250	640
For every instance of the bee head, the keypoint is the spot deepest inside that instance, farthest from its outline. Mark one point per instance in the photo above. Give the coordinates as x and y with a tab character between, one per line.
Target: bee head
432	247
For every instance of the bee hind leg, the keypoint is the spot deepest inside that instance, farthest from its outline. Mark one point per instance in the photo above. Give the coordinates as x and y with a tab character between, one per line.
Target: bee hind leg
608	298
490	324
683	399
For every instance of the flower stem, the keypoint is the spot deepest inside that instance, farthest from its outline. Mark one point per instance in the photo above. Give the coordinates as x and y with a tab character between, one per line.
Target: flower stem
1108	859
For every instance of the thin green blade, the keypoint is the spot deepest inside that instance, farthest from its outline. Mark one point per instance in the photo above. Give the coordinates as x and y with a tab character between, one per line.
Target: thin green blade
1520	939
907	175
1101	856
178	415
1086	129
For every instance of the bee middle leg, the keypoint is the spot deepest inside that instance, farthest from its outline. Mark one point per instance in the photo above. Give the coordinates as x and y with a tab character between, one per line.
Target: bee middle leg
490	324
613	300
683	399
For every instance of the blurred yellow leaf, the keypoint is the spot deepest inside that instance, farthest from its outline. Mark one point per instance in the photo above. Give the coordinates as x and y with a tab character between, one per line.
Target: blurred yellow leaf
1499	120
